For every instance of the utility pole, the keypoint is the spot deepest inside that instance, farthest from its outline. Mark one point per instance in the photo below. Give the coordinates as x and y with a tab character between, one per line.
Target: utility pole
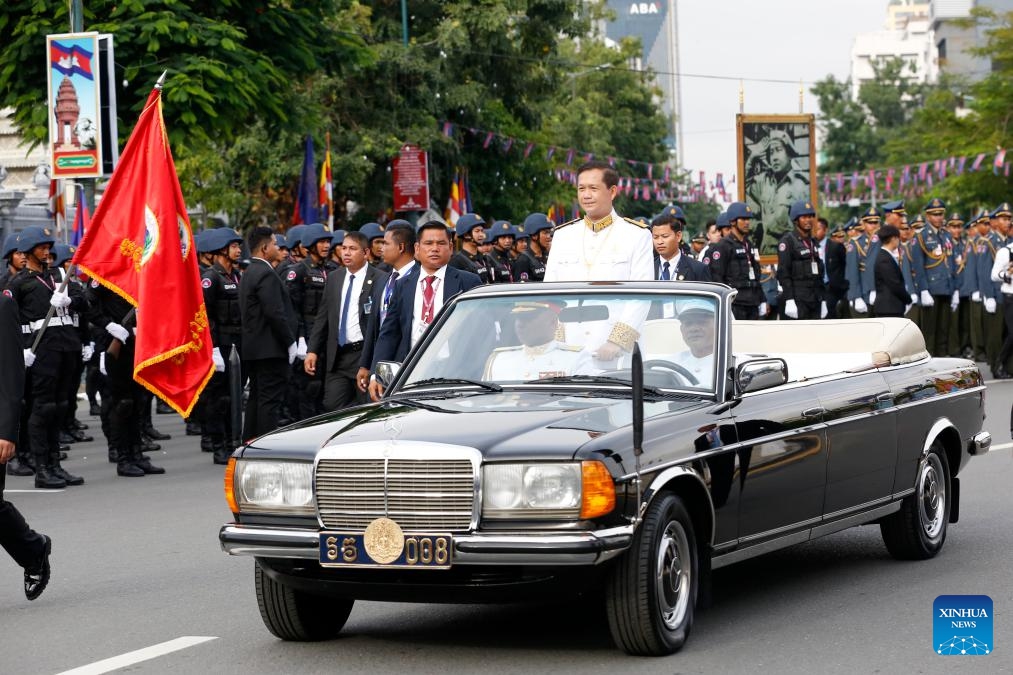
404	22
77	26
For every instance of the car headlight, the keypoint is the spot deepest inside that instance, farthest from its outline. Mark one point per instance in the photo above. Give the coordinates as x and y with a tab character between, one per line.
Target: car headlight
565	490
262	485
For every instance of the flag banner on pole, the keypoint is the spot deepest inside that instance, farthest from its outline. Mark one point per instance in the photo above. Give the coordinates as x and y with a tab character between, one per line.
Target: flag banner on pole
327	188
57	207
453	212
140	247
1000	157
81	218
305	211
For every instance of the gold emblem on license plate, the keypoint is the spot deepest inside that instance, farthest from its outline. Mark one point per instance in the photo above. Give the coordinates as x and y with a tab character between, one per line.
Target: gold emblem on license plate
384	540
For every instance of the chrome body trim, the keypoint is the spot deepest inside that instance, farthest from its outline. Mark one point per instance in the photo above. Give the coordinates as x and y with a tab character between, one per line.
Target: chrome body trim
856	519
269	542
739	555
934	431
662	479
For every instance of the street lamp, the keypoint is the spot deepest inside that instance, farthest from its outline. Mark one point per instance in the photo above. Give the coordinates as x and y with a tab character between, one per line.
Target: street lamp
573	76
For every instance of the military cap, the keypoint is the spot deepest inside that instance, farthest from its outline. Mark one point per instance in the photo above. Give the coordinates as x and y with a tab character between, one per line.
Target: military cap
673	211
314	233
10	245
852	223
372	231
294	235
521	234
694	306
62	253
801	208
1001	210
338	238
467	222
896	206
429	220
399	222
699	238
643	220
935	206
31	237
722	220
981	216
280	240
535	223
838	232
918	221
870	213
738	210
954	218
503	228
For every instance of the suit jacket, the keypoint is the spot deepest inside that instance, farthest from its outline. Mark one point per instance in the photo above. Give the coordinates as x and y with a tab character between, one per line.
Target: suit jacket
12	371
836	263
268	317
395	338
325	328
891	294
688	269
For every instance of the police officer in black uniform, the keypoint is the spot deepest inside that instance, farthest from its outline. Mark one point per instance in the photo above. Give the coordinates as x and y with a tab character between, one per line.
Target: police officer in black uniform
305	282
51	365
471	233
799	267
734	262
530	264
23	463
221	298
503	236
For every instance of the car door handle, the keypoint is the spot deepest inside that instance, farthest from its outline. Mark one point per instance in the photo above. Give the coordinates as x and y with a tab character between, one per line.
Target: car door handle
813	412
885	398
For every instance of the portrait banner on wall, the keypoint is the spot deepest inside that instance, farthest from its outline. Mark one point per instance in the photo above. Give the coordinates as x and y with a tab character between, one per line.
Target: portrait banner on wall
777	166
75	119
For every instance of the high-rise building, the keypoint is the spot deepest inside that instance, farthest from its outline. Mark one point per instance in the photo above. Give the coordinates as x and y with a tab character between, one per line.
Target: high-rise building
656	24
912	42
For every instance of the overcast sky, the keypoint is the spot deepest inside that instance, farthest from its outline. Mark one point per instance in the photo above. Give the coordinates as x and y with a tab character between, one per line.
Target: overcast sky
778	39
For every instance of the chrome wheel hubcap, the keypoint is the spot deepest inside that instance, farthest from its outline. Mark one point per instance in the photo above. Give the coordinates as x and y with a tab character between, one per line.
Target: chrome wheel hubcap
674	572
931	496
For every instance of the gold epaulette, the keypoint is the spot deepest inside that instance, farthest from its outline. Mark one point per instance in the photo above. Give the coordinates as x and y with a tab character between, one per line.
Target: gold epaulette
562	225
635	222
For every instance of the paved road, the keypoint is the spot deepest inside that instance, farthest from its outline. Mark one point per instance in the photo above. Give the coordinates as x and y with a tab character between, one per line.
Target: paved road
136	565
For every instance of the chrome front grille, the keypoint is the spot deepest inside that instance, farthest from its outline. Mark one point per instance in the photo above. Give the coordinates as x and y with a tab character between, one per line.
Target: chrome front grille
421	494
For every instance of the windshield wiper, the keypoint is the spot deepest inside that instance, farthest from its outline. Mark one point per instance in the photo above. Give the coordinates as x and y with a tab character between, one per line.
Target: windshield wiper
488	386
592	379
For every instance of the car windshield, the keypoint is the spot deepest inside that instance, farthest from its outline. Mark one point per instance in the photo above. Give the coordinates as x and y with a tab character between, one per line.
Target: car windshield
583	339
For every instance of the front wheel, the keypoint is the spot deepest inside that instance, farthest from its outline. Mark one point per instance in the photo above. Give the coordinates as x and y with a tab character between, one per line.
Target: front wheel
918	530
651	593
296	615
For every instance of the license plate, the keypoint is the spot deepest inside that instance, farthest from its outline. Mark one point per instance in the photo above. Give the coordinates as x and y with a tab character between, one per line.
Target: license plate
348	549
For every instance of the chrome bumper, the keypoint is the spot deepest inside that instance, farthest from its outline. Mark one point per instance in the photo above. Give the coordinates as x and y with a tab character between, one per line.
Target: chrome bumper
980	444
570	548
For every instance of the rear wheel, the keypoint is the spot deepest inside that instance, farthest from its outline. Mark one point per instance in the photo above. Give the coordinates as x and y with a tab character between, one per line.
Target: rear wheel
918	530
651	594
296	615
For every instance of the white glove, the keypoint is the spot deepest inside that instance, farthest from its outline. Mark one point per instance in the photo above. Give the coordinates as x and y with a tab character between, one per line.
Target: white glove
914	298
955	301
872	297
823	309
216	357
860	306
87	351
927	300
102	363
990	305
117	331
976	296
293	349
29	358
790	309
59	300
763	309
301	350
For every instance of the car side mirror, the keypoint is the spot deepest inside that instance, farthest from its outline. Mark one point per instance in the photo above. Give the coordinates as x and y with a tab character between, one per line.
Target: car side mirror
760	374
385	372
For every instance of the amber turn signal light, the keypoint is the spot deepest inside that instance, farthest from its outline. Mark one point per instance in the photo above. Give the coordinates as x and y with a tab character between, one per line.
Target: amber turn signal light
598	490
230	485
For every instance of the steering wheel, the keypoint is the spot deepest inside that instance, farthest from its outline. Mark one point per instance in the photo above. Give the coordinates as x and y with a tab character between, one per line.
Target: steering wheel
668	365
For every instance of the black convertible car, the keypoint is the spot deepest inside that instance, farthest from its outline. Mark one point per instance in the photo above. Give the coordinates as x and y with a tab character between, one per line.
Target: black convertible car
622	439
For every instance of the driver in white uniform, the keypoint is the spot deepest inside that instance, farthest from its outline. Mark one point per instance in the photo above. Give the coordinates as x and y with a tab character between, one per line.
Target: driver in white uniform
540	355
696	323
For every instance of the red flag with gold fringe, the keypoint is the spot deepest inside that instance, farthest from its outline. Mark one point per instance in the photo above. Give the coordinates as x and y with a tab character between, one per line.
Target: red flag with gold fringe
140	246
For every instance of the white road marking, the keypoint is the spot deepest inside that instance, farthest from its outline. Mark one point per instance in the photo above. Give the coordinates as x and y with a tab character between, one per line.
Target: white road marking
145	654
36	492
1001	446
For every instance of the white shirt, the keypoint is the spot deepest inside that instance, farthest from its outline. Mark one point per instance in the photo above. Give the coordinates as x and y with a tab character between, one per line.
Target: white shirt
673	264
352	327
418	327
999	267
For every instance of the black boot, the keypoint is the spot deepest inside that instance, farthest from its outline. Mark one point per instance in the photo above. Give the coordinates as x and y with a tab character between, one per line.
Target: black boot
148	445
79	436
66	438
162	408
19	466
145	465
126	465
94	409
78	424
60	472
46	480
114	455
206	445
222	452
193	428
154	434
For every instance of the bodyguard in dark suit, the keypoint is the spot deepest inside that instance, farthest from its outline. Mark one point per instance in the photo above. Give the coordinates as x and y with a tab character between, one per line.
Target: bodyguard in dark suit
28	548
671	263
351	296
433	283
268	341
834	258
892	297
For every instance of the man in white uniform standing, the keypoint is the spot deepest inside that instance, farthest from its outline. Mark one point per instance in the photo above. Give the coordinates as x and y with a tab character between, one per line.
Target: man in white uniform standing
603	246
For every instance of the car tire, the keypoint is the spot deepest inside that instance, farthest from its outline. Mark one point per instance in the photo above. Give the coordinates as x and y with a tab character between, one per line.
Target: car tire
651	593
297	616
918	530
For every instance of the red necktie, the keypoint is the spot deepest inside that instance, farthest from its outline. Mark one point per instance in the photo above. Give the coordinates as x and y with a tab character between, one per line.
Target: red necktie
428	298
